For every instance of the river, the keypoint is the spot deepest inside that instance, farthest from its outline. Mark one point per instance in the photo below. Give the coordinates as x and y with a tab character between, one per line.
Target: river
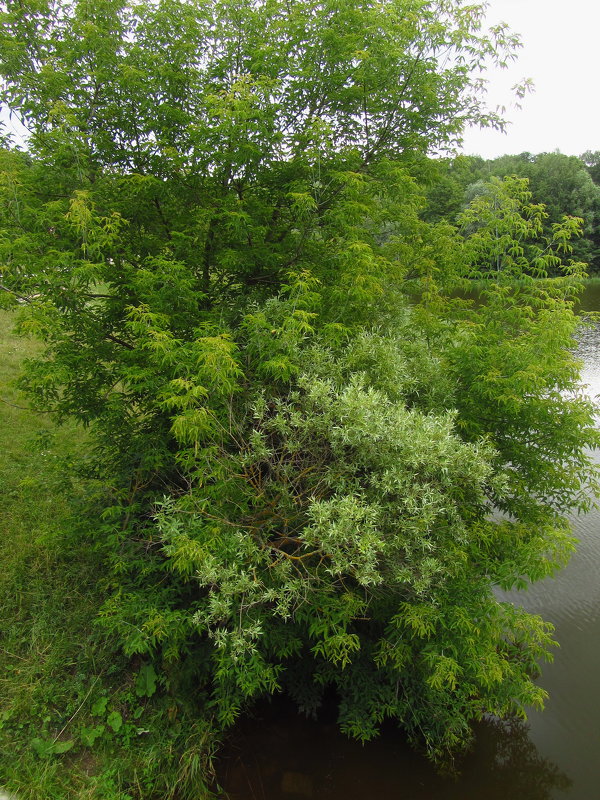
277	755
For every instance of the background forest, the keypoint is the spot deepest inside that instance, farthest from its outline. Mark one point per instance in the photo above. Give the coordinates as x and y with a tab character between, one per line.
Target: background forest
564	184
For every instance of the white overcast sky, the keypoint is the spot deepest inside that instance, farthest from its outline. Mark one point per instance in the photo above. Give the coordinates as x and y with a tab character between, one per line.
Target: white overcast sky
561	54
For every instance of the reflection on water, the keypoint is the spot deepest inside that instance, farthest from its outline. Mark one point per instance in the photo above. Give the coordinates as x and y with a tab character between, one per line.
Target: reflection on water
278	756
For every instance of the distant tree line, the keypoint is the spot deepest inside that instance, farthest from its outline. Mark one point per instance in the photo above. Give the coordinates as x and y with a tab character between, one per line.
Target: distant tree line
566	185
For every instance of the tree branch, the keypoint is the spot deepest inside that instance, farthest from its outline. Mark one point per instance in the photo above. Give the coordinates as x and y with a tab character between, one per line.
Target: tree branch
116	340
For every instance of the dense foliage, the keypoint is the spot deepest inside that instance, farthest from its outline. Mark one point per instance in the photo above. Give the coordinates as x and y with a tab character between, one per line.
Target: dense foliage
301	434
566	185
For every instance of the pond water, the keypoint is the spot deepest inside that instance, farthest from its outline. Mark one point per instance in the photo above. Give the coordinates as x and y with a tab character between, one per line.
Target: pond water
277	755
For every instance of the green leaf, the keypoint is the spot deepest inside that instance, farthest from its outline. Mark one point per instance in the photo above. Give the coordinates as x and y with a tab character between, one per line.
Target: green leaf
145	685
90	735
99	706
114	721
46	748
42	747
63	747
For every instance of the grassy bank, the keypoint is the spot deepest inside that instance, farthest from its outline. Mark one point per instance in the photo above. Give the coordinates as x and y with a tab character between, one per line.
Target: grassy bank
77	719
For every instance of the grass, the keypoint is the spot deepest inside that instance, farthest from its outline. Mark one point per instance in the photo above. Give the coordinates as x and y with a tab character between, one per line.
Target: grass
47	590
73	721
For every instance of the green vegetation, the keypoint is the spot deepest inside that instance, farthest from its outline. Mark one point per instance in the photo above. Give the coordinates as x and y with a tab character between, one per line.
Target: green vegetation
78	719
565	185
294	431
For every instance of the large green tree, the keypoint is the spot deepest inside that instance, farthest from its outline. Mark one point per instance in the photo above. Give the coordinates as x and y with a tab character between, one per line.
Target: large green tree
300	435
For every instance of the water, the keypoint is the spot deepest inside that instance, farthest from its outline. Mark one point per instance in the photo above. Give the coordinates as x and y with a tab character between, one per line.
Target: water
555	756
568	731
279	756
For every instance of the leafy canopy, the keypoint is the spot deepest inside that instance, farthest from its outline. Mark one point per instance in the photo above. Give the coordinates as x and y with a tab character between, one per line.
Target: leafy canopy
217	231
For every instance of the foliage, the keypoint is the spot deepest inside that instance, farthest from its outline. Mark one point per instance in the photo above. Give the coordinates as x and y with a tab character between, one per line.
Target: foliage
64	681
592	163
563	184
298	434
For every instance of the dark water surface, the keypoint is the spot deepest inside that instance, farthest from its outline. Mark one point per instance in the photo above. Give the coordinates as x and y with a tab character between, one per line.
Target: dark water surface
280	756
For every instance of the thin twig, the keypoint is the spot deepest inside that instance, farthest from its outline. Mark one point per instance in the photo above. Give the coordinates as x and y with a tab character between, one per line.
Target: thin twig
26	408
68	722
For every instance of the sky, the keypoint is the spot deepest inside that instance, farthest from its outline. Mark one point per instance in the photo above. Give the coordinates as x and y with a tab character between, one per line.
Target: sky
560	53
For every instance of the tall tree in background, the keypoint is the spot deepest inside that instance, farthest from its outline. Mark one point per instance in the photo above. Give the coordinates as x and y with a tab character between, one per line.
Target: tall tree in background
564	184
592	163
216	232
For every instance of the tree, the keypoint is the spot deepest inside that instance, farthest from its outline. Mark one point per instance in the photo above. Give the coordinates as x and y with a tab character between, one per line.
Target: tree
565	186
221	249
592	162
562	183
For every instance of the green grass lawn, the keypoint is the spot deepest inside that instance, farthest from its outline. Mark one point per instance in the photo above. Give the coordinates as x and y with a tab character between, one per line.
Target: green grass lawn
73	722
